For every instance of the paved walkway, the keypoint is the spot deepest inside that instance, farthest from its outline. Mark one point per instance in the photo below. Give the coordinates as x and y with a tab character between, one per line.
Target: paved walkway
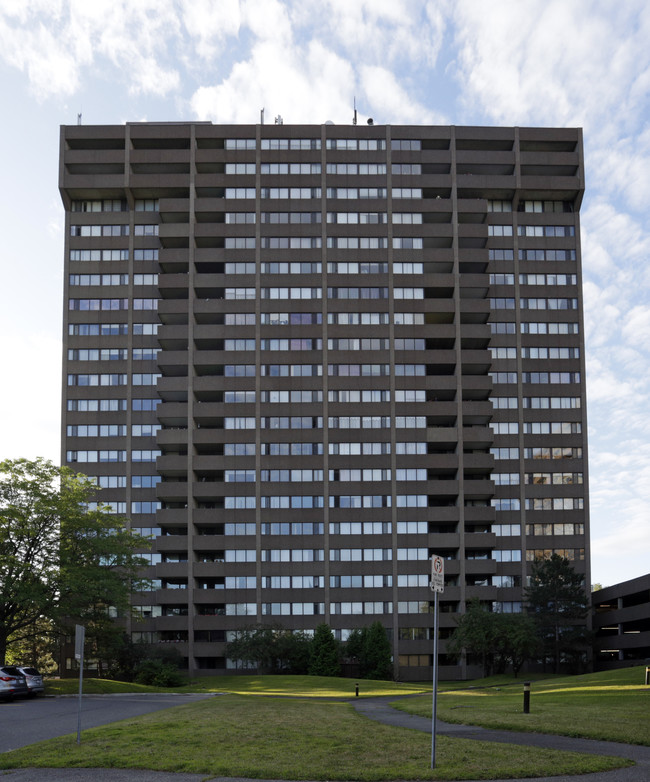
378	709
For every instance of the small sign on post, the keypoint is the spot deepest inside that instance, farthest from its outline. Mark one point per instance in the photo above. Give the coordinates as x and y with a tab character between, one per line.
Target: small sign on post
437	585
437	574
79	639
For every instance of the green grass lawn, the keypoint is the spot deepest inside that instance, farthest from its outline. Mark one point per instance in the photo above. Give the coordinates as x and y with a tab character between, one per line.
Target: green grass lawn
307	686
613	705
279	738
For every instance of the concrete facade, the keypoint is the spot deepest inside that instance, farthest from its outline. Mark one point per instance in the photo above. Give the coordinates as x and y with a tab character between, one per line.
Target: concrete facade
621	617
306	358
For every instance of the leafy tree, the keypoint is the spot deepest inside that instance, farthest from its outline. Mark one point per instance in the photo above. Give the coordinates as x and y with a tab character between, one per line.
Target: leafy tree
557	599
104	640
293	651
60	558
324	657
477	633
517	640
253	646
271	649
125	657
376	656
370	648
496	639
40	648
354	645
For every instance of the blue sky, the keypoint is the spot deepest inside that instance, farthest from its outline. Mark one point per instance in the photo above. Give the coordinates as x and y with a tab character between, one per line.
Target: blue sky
533	62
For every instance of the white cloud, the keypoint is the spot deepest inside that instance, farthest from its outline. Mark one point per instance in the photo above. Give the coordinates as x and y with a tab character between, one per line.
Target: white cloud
56	43
209	23
50	64
622	167
269	21
391	100
302	85
551	62
374	32
636	328
31	422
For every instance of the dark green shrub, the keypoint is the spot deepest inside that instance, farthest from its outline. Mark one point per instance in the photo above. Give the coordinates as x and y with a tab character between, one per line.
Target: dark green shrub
158	673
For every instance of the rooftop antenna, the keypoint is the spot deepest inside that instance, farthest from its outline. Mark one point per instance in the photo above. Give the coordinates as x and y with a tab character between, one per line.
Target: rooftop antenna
354	119
79	118
262	115
279	120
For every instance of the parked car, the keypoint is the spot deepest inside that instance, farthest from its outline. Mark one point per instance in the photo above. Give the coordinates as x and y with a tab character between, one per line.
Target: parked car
12	682
34	679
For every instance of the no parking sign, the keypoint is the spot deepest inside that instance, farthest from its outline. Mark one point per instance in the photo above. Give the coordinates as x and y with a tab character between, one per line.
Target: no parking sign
437	574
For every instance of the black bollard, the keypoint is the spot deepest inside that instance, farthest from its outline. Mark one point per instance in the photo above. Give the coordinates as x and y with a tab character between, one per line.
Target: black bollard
526	697
356	690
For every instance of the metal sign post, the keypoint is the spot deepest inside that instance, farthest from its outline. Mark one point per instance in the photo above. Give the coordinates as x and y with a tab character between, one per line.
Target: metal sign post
437	585
79	638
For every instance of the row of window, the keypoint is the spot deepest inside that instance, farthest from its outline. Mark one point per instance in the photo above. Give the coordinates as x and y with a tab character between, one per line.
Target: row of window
535	353
344	193
100	230
309	218
368	474
333	370
530	206
306	343
111	405
553	378
111	329
573	554
539	503
237	319
302	475
536	402
337	501
243	529
536	427
364	144
565	452
316	370
112	354
152	205
343	169
563	528
553	478
112	430
103	255
554	503
103	305
533	279
113	379
528	327
146	455
544	255
315	318
508	303
315	242
112	279
532	230
336	449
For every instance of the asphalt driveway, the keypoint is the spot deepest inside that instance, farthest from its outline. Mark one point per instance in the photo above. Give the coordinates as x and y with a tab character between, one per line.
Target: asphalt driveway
27	721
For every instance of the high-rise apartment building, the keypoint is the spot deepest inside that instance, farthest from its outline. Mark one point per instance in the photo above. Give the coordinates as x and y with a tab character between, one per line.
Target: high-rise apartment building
305	358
